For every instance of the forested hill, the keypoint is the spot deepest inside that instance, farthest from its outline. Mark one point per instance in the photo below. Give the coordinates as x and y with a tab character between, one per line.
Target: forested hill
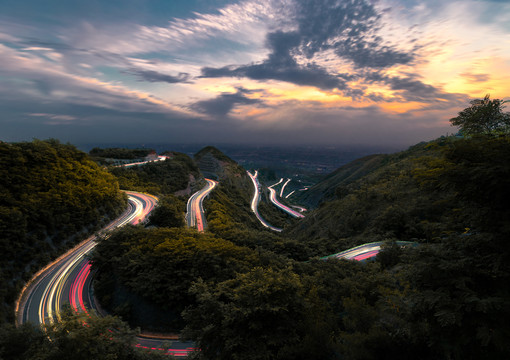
411	195
329	187
229	206
214	164
176	175
51	195
356	198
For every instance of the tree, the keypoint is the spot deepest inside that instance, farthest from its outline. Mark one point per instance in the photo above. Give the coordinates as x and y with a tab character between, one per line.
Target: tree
257	315
483	117
168	213
77	336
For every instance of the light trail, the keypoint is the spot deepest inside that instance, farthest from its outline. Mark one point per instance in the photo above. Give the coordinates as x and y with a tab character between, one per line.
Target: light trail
67	280
365	251
272	197
289	194
283	187
255	201
195	216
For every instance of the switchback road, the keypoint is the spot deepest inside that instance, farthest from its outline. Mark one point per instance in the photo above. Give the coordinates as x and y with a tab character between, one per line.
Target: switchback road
195	216
68	280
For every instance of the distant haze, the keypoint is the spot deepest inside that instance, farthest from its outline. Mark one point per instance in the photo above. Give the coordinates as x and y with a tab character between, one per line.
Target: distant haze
293	72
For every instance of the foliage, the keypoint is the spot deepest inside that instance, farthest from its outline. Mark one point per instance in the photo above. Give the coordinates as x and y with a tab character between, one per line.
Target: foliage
159	265
75	337
252	316
387	202
162	177
51	196
169	212
484	116
461	299
335	185
215	153
247	293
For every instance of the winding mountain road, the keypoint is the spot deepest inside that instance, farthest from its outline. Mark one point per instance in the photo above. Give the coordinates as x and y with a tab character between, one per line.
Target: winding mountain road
195	216
256	199
365	251
68	280
274	200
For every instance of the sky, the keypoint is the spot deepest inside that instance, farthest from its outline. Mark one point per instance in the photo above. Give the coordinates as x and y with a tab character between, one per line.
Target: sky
256	72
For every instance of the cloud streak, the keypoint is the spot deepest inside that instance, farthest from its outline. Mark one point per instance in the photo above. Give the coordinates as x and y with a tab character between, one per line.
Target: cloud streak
154	76
224	103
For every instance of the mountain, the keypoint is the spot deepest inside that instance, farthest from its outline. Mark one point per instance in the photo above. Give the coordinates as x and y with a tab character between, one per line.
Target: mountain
251	293
375	198
215	164
327	188
51	196
177	175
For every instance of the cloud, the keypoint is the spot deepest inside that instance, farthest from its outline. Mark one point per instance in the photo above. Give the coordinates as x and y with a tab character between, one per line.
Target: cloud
55	119
224	103
154	76
48	82
476	78
412	89
281	66
346	28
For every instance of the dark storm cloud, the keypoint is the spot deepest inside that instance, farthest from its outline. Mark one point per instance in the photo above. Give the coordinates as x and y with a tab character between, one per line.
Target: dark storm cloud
281	66
370	54
154	76
221	105
344	27
413	89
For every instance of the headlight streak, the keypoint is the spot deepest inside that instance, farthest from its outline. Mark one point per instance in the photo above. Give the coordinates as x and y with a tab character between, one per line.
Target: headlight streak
255	202
66	279
195	209
365	251
272	197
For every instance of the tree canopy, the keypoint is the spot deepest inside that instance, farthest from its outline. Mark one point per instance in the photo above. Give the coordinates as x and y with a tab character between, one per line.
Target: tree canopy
484	116
51	196
77	337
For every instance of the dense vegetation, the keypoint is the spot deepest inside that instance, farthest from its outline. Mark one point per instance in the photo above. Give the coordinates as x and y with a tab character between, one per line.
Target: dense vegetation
158	266
51	196
76	337
445	299
169	212
177	173
242	292
484	116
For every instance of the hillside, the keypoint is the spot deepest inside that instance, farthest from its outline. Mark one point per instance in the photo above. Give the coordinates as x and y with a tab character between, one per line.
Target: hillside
241	291
230	204
51	196
177	175
216	165
331	185
377	198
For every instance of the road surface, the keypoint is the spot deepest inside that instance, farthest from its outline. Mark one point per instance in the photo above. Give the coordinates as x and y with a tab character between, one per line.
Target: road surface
365	251
256	199
283	187
195	216
68	280
274	200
